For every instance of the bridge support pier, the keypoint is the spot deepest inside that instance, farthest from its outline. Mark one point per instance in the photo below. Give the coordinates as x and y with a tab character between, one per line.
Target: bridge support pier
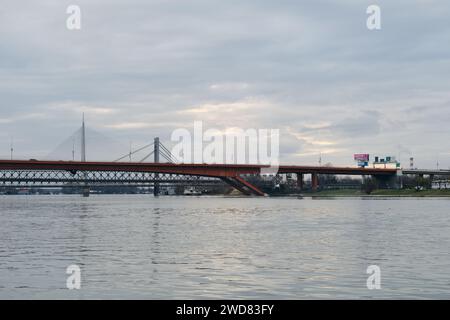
314	182
86	191
299	181
389	182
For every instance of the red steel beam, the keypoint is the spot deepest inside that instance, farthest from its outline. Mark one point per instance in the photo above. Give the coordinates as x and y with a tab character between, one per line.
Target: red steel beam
232	182
189	169
210	170
335	170
252	188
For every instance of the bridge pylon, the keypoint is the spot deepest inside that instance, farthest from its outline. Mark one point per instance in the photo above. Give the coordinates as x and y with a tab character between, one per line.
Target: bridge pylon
86	190
156	190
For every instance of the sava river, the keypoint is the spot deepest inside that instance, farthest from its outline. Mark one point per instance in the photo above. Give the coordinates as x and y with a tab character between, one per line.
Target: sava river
141	247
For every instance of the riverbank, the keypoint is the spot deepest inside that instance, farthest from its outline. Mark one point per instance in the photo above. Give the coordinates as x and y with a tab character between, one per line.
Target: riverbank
379	193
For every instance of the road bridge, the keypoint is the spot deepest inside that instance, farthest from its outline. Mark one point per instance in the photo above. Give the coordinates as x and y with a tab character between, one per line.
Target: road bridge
83	172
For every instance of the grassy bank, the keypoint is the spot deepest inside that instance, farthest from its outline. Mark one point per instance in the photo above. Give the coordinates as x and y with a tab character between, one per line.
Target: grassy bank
381	192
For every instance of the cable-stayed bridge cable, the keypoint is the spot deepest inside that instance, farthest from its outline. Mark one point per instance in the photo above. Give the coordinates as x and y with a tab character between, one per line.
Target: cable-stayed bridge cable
147	156
136	151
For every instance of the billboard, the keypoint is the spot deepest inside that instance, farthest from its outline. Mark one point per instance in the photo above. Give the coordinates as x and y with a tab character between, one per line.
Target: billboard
363	164
363	157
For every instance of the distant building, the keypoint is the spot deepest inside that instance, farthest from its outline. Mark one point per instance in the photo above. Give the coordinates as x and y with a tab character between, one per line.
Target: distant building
440	184
388	162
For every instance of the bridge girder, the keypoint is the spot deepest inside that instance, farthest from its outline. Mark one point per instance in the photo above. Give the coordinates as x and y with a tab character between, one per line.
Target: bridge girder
18	171
62	177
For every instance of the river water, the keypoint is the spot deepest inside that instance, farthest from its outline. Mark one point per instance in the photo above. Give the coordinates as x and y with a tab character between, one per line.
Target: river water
140	247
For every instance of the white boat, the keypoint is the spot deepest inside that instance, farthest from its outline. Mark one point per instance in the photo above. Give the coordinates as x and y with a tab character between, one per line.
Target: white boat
191	192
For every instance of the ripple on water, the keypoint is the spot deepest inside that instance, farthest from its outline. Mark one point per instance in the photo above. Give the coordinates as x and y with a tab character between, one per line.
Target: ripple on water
223	247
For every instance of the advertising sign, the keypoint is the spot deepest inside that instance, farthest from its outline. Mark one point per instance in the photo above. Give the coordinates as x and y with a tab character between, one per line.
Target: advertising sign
361	157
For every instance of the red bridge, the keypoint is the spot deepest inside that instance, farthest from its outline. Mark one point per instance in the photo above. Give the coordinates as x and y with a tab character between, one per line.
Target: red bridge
90	172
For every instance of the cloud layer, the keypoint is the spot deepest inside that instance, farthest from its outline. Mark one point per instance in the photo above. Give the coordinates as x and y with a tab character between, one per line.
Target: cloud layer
140	69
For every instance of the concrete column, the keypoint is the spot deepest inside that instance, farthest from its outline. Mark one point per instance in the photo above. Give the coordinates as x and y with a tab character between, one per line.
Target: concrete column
86	191
299	181
399	179
314	181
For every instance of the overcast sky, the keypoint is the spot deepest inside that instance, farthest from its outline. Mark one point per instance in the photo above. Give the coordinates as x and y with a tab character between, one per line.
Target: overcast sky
309	68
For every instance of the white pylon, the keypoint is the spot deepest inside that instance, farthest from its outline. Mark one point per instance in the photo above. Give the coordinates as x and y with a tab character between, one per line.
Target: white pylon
83	141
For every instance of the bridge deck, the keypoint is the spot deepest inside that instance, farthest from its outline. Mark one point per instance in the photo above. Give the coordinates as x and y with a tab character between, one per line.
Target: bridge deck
210	170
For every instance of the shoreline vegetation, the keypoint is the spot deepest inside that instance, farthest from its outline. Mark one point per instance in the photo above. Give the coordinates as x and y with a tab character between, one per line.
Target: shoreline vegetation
377	193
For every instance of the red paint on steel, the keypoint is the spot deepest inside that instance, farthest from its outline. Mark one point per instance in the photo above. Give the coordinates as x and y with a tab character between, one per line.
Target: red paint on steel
210	170
252	188
230	173
232	182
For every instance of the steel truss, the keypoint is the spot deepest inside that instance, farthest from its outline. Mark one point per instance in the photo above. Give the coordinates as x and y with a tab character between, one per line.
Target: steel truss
65	178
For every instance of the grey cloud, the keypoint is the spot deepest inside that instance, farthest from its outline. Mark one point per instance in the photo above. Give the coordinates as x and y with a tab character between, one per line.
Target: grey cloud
362	125
306	62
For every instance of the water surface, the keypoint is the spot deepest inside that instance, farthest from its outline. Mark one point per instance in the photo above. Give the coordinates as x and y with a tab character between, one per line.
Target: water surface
140	247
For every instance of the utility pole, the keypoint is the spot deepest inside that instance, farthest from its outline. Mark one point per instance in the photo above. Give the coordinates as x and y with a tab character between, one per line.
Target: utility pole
156	160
